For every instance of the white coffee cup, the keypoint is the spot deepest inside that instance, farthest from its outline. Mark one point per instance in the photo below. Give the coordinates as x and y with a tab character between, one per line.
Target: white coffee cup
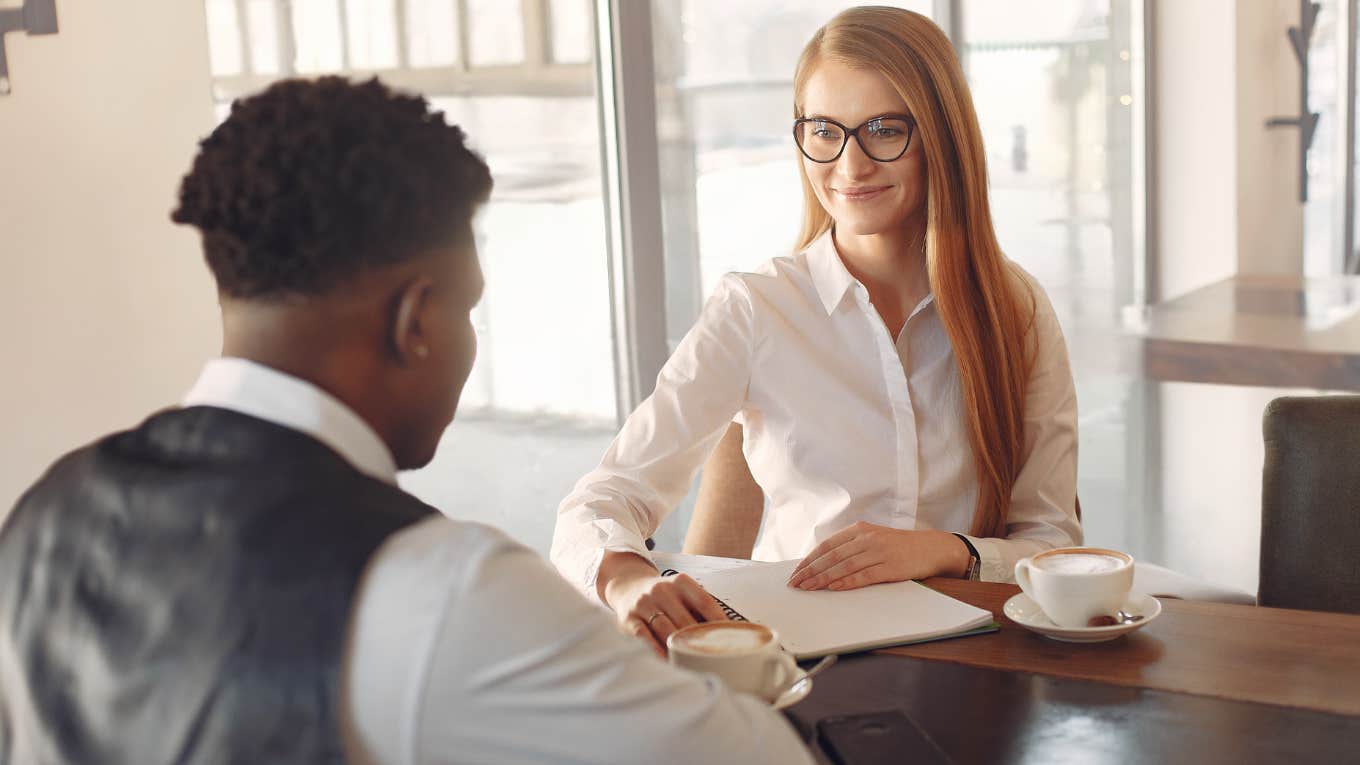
746	656
1072	585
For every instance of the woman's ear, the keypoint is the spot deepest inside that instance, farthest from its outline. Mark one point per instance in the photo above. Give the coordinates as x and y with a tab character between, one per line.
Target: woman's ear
410	337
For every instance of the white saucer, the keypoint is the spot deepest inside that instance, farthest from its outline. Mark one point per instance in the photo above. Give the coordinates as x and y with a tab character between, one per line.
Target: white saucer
1022	610
795	693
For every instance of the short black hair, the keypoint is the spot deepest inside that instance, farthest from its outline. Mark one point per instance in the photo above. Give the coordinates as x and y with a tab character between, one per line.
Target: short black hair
311	182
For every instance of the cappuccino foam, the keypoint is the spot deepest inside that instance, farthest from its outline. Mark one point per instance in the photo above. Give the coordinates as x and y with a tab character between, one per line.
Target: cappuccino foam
1079	563
725	639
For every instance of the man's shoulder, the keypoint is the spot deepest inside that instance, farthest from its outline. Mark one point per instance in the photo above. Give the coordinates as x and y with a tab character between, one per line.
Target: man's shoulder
441	534
442	561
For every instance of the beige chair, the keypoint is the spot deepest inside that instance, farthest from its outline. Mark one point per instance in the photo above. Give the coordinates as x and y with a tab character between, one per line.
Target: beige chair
730	505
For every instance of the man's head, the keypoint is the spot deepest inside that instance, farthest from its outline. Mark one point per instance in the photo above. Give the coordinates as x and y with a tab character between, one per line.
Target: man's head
337	220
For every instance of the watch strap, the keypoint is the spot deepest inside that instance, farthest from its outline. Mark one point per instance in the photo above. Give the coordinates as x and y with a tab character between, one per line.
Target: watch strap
974	572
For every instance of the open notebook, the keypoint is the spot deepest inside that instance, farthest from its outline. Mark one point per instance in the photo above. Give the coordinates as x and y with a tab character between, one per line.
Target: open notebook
812	624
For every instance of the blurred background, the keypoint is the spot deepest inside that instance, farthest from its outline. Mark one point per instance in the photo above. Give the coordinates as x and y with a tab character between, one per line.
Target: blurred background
1131	169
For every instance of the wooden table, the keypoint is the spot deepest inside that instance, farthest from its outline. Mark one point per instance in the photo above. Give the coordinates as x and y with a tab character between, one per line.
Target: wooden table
1204	682
1273	331
1304	659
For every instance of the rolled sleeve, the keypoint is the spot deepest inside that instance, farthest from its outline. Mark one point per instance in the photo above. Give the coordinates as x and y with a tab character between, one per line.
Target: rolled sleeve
650	465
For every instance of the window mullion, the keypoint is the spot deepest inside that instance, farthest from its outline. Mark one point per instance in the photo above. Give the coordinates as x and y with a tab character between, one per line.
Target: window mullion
632	182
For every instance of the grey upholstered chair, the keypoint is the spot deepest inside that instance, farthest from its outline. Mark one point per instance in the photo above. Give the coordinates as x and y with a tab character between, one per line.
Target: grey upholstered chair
1310	504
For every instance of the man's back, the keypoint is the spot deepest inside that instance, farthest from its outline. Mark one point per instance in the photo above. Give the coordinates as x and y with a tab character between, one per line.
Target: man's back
213	587
180	592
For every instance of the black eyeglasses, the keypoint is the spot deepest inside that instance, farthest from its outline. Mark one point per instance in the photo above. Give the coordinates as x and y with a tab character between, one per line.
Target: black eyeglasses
884	138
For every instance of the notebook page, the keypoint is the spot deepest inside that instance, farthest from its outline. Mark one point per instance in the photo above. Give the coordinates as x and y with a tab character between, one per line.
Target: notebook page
821	622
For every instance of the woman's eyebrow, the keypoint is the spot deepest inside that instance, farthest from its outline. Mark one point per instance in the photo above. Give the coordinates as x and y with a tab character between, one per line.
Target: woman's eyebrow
879	116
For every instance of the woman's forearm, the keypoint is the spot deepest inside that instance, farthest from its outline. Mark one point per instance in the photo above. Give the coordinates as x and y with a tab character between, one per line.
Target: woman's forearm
617	570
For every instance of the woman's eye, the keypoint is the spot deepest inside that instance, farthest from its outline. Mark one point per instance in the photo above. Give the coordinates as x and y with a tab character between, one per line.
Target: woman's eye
826	134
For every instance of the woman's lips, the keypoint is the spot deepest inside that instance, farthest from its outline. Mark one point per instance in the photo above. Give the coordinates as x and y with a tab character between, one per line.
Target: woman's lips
862	193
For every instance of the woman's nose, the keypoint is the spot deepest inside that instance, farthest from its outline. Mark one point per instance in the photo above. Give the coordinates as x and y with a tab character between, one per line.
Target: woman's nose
854	163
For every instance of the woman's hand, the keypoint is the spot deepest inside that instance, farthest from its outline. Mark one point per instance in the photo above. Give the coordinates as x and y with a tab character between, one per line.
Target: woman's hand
866	553
651	607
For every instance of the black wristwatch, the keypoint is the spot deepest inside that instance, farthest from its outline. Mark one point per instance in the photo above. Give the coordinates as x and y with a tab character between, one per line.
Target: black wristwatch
974	572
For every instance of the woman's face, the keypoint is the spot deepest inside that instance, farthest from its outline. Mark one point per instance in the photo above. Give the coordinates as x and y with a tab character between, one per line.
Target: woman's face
862	195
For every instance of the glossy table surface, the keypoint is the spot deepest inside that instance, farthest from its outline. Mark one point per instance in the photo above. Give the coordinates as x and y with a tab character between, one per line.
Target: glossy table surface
1273	331
1204	682
1305	659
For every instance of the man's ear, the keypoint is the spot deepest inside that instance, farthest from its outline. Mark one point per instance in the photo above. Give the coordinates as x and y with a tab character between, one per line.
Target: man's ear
410	339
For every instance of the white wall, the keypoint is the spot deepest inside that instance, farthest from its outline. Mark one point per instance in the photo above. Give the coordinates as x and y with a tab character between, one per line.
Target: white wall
1226	185
1195	146
106	308
1269	214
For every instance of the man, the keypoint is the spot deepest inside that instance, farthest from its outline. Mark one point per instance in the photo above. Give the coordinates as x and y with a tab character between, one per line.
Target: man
241	580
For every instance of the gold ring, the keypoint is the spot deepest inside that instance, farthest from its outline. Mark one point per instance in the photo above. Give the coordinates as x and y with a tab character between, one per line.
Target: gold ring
652	618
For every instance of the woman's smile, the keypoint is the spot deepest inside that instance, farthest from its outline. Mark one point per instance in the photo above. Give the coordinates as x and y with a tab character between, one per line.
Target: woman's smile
861	193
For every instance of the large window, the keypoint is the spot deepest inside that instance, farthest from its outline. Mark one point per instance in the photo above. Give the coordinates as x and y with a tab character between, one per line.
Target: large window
1324	215
1060	99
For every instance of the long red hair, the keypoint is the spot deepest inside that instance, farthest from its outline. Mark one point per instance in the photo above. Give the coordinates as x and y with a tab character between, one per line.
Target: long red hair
984	302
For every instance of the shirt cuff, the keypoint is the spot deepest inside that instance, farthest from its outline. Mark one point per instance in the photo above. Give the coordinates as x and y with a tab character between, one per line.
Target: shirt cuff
592	570
996	566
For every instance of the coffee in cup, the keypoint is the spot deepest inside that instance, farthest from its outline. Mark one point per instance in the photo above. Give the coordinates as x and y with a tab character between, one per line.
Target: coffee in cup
1073	585
745	655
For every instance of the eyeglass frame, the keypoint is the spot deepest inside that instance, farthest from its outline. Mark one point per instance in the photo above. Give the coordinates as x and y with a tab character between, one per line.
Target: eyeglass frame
848	132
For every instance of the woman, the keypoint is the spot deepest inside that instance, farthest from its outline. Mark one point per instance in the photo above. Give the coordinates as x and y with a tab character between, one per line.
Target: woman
905	392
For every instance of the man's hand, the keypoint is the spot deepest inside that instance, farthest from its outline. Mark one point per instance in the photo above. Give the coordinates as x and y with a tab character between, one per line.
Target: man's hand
651	606
866	554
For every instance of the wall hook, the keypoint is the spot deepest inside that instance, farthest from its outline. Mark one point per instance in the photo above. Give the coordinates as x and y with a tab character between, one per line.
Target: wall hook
37	17
1300	39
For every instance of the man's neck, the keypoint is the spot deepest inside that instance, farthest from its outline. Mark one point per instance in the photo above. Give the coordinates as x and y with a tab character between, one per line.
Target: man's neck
323	350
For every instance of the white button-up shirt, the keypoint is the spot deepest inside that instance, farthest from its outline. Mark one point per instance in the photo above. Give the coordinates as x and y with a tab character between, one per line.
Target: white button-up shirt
843	423
465	646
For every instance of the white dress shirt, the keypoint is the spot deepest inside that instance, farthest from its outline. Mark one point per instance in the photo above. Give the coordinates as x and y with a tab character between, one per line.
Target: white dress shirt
843	423
465	646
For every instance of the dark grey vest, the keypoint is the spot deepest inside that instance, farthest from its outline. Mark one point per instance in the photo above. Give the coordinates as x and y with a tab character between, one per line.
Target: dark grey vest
179	593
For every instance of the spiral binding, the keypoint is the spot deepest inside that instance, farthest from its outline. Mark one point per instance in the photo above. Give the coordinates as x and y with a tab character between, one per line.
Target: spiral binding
731	612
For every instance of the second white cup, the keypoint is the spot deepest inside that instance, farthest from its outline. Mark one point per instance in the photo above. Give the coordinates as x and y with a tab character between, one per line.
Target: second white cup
1075	584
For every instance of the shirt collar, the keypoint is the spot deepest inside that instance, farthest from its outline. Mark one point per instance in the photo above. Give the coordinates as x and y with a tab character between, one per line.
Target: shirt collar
829	274
833	280
268	394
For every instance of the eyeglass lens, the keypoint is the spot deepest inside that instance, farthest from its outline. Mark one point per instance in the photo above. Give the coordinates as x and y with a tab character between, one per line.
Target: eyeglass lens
883	139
